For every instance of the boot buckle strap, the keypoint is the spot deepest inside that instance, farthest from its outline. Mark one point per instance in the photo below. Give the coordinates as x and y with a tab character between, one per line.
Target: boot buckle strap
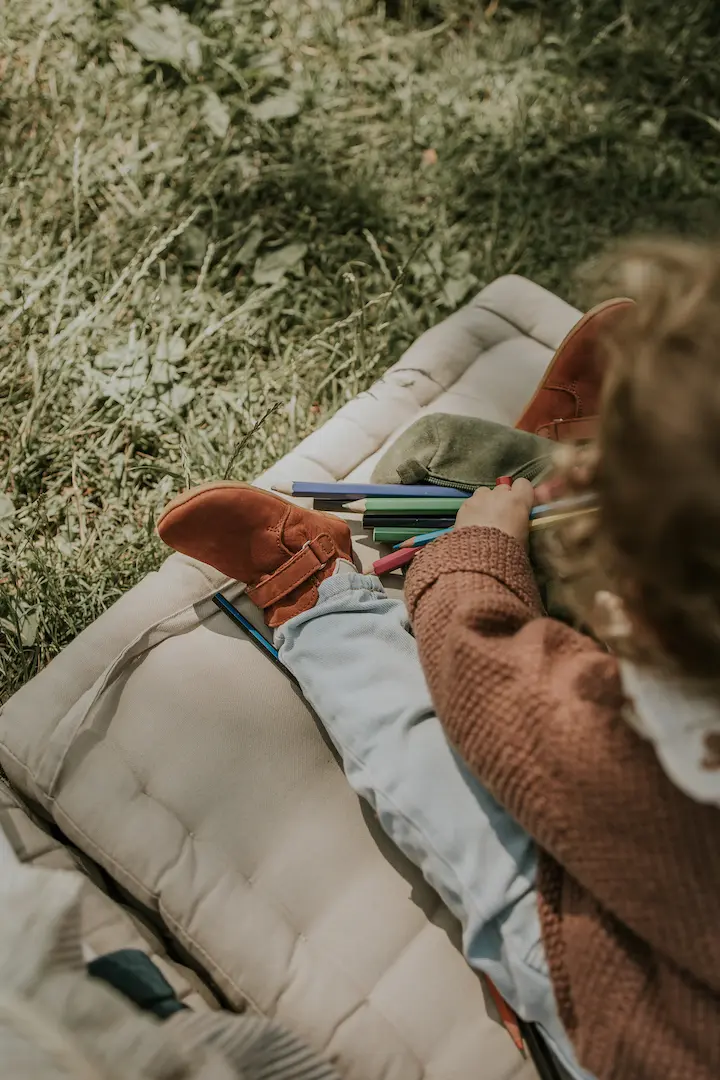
578	429
312	556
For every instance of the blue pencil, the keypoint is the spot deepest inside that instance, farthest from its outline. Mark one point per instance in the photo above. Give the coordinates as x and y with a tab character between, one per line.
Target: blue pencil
570	503
422	539
342	490
246	625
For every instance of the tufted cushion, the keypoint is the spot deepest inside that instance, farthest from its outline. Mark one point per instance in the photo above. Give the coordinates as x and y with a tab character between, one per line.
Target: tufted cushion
181	760
105	924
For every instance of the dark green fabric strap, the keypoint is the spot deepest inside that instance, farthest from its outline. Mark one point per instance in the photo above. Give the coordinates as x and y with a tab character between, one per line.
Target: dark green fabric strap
133	974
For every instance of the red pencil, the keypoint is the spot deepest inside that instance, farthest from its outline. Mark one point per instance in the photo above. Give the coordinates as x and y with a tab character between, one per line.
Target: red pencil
393	560
508	1017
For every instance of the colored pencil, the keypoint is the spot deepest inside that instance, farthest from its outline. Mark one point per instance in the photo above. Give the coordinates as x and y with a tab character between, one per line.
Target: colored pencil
230	609
444	507
421	541
393	561
415	507
330	506
424	525
392	535
546	514
508	1017
539	1051
402	521
552	519
413	543
345	491
573	502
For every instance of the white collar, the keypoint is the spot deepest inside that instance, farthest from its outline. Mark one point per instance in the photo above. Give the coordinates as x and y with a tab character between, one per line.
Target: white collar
676	719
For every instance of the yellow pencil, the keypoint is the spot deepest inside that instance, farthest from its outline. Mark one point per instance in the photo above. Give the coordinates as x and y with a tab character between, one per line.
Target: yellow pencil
536	523
553	519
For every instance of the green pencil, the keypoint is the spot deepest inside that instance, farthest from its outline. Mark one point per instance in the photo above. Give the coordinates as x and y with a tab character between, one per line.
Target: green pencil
440	507
392	536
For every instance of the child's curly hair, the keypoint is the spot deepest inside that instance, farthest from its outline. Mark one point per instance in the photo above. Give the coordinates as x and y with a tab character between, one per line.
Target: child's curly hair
655	540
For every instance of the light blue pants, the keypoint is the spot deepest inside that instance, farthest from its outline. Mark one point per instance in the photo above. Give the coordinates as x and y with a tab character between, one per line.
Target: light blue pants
357	664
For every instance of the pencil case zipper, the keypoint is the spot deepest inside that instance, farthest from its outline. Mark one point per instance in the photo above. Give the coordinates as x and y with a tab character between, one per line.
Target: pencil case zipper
531	470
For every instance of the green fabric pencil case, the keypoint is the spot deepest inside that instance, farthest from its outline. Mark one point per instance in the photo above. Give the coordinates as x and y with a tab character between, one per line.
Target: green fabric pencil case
462	452
467	453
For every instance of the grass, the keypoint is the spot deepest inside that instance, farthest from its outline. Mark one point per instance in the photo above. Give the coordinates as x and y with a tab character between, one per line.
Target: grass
220	220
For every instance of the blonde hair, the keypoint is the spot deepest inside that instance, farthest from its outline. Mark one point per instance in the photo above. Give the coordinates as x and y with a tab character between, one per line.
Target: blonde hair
655	541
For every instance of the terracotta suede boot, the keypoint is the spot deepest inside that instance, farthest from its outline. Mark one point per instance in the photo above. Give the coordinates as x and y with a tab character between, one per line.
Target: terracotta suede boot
565	405
280	550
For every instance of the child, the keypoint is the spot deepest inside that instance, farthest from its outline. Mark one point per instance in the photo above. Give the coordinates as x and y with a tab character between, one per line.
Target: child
561	799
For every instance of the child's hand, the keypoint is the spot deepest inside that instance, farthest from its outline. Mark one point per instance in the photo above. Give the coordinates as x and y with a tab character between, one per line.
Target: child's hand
504	508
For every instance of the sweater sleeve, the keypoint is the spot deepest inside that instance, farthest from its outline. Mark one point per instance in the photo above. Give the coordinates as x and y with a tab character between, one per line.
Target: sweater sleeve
529	703
536	710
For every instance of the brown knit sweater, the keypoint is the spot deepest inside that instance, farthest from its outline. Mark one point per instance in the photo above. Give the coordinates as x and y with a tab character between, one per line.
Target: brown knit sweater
629	874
